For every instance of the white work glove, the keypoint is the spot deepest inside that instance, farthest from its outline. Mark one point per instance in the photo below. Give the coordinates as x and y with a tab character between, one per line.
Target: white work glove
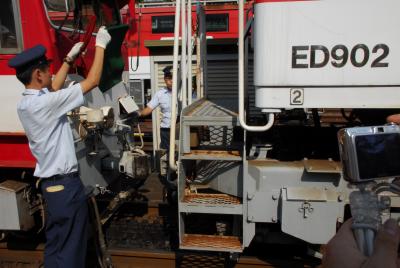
103	37
75	50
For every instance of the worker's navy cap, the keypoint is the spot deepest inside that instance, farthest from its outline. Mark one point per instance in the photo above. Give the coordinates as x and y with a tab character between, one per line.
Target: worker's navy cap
167	71
30	57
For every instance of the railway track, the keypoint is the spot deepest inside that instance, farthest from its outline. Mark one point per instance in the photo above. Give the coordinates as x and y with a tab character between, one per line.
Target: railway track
139	247
123	258
143	244
143	240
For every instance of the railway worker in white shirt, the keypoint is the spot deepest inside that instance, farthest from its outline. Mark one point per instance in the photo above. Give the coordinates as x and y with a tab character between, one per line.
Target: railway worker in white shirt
42	111
162	98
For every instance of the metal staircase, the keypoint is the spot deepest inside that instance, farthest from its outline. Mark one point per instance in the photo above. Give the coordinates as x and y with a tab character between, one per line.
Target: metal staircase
210	181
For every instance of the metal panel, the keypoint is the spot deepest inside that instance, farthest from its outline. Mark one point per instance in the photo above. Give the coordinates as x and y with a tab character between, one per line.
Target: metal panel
222	80
222	84
311	221
298	69
296	58
14	206
136	89
160	75
308	204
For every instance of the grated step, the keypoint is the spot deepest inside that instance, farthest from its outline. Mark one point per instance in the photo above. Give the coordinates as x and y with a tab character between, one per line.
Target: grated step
213	199
211	243
211	204
206	108
213	155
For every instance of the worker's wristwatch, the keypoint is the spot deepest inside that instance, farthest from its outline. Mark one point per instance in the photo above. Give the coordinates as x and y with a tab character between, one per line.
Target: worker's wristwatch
68	60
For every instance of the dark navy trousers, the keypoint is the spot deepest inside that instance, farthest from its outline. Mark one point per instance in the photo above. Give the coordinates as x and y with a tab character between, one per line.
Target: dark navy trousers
67	222
164	133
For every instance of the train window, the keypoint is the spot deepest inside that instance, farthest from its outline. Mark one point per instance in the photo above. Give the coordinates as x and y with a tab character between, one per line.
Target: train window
162	24
217	22
10	29
60	5
67	16
60	13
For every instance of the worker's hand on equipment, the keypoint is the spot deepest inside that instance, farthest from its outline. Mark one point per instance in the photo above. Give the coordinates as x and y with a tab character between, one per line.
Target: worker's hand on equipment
342	250
103	37
136	114
394	118
75	50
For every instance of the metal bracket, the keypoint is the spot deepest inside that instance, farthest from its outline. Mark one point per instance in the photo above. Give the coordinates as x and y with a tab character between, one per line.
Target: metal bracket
261	150
306	209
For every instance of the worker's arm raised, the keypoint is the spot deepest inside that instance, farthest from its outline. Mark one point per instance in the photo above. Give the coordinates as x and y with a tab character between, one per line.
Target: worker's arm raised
93	78
61	75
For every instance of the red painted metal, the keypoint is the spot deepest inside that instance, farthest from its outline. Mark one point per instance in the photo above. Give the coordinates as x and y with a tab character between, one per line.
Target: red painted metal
36	29
14	149
88	33
4	69
276	1
15	152
145	14
83	63
33	17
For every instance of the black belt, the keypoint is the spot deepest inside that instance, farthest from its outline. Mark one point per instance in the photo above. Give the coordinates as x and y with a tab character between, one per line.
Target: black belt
61	176
165	128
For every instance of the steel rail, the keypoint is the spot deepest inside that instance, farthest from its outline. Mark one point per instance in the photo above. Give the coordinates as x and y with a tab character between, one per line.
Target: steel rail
146	259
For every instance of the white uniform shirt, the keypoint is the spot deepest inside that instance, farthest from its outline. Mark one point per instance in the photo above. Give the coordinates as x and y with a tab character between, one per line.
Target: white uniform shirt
43	116
163	98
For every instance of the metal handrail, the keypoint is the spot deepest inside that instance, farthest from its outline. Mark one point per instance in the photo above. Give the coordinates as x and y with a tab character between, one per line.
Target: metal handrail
189	51
172	164
241	80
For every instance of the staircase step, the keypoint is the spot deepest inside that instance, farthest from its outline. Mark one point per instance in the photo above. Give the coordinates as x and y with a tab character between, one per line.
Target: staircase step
206	171
211	204
208	113
211	243
212	199
212	155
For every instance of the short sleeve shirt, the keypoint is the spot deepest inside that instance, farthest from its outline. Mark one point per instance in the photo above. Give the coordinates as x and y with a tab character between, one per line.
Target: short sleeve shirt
43	117
163	98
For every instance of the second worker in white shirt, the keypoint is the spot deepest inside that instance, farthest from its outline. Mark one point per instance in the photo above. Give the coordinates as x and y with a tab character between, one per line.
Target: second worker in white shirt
162	98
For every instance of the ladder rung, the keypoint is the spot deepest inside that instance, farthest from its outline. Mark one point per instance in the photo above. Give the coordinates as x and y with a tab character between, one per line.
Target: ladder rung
213	155
213	199
211	243
211	204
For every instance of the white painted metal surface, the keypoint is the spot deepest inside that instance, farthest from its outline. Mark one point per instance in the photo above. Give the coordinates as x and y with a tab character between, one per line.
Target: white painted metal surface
142	71
10	93
306	50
